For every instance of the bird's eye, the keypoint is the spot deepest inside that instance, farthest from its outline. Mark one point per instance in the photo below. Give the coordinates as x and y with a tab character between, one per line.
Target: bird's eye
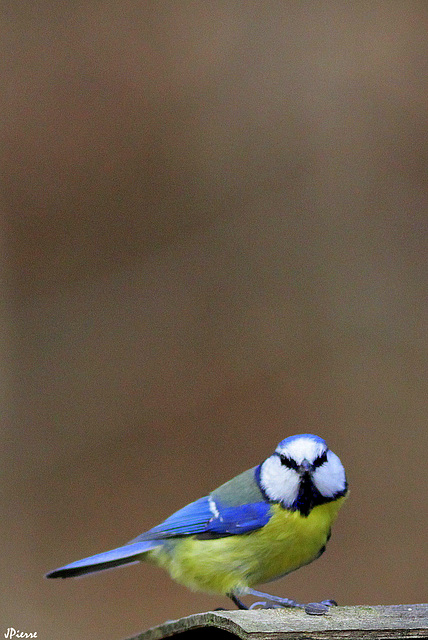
321	459
288	462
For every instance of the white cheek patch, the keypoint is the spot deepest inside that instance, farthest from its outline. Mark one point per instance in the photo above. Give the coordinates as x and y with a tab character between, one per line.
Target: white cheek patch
278	482
330	477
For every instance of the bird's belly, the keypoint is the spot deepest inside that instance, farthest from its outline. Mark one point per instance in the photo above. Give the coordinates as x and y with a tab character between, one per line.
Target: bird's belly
287	542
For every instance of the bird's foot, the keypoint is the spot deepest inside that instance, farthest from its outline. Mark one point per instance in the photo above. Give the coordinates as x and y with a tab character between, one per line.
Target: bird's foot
319	608
275	602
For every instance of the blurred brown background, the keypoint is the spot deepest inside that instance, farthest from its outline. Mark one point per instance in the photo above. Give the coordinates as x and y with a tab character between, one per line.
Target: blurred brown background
215	236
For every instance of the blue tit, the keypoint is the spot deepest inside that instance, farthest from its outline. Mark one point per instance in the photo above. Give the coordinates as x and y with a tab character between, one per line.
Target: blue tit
259	526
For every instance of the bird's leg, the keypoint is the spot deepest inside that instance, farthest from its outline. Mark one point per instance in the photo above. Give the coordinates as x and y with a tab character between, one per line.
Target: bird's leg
237	601
313	608
274	600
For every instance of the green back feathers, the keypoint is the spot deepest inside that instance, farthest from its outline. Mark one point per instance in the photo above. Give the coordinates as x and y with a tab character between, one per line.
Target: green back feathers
242	489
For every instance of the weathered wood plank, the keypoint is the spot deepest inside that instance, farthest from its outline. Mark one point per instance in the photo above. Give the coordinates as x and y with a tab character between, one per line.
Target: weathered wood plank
341	623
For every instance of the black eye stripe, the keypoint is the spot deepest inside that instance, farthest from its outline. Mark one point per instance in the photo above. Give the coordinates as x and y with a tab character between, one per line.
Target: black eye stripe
320	460
292	464
288	462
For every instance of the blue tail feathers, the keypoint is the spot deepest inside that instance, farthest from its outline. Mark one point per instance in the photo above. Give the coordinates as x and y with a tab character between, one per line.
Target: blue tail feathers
107	560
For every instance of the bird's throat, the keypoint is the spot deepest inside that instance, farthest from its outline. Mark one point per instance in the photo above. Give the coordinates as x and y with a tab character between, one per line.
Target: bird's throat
308	496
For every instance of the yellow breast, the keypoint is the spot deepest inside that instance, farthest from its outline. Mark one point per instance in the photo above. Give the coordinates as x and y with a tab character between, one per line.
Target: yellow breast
287	542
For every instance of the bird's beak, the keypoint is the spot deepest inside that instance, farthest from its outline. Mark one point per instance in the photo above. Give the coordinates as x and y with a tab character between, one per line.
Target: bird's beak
305	467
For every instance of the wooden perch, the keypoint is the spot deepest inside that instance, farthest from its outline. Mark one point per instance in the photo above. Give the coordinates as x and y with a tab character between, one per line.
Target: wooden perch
374	623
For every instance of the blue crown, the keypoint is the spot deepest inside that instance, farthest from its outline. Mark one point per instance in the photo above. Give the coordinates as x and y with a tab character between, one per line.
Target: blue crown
301	435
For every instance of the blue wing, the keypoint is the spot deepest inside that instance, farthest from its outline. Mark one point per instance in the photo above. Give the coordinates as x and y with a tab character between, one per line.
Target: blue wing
205	518
239	519
209	518
235	508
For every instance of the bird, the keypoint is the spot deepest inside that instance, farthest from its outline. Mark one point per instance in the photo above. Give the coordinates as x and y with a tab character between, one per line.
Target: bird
260	526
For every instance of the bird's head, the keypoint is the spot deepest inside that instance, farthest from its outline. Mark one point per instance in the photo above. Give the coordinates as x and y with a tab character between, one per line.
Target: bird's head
302	473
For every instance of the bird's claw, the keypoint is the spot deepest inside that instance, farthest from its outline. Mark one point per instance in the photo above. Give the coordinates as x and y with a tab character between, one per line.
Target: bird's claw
312	608
319	608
